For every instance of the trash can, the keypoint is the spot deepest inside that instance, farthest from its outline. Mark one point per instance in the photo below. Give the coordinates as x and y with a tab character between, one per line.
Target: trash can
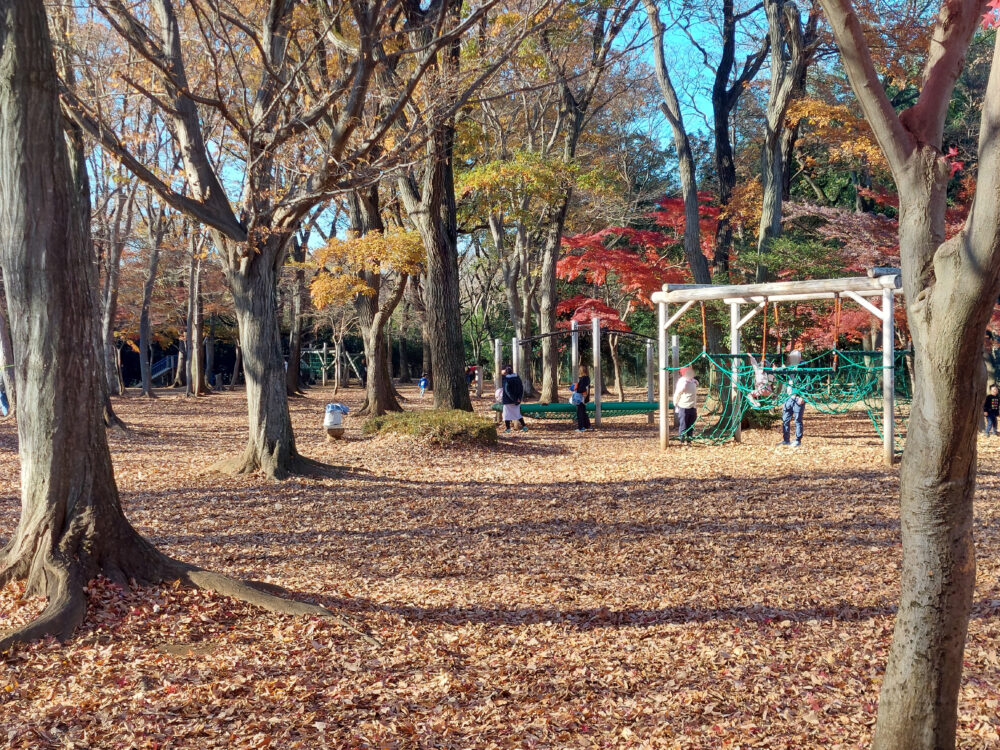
333	421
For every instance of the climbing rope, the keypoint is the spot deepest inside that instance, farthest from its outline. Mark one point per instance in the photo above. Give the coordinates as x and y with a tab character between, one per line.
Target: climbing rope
832	382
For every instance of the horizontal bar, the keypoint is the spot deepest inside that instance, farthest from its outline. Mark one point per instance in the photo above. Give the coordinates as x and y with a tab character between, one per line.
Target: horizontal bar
678	293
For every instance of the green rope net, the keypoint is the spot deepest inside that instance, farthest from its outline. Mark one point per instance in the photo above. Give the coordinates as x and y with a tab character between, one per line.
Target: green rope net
833	382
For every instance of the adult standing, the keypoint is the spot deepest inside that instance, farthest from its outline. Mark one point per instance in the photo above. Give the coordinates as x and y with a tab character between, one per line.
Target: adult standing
513	392
581	391
795	403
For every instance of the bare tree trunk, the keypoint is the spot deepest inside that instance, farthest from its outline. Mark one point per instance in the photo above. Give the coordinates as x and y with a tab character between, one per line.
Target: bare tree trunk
271	443
433	209
210	354
195	360
120	229
950	287
180	372
145	326
784	30
236	366
293	384
616	366
427	362
71	527
404	355
6	352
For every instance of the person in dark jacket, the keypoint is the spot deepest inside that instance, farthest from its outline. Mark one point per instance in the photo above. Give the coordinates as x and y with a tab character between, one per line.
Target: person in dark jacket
513	392
582	388
991	408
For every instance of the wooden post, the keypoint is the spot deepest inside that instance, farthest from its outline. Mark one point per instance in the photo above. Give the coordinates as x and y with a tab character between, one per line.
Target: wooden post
675	359
574	364
650	390
596	327
497	363
888	377
326	349
734	348
661	337
336	367
514	356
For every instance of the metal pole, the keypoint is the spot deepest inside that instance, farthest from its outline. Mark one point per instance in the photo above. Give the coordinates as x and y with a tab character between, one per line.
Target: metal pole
888	377
596	327
497	363
650	390
323	363
574	363
661	338
514	356
734	348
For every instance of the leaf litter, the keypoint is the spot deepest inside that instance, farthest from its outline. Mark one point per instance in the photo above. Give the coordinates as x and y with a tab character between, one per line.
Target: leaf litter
559	591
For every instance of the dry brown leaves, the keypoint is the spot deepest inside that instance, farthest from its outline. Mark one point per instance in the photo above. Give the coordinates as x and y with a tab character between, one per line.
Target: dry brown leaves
561	591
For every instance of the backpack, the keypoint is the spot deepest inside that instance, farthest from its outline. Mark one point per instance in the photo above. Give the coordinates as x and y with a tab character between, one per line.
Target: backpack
513	389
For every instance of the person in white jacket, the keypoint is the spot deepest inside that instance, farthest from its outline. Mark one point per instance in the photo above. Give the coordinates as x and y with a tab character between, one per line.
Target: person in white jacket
686	403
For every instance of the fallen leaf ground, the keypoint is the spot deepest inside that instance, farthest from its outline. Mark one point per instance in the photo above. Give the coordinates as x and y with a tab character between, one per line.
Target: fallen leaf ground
560	591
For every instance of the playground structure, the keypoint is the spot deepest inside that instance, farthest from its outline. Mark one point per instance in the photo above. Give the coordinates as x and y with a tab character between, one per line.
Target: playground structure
597	407
883	283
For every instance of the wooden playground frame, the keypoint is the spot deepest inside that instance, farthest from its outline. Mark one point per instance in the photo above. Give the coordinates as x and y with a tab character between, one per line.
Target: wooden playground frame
880	282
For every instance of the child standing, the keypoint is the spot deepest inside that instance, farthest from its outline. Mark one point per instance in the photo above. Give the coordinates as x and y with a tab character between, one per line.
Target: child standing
423	383
991	408
686	403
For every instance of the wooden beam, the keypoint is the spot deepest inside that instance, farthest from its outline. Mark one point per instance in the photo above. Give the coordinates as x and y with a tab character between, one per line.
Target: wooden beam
679	293
866	304
676	316
750	315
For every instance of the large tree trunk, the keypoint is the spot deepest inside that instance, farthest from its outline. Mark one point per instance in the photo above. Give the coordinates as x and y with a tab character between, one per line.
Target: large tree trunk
444	321
270	447
71	527
951	287
433	209
918	703
426	360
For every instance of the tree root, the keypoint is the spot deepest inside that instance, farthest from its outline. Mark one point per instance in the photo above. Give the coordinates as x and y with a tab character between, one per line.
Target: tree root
251	592
247	464
64	611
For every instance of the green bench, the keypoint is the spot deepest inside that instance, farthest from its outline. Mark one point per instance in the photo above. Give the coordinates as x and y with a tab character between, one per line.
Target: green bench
568	411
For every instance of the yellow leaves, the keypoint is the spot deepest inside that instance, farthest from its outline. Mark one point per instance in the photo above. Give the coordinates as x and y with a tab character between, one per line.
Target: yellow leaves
745	205
845	135
343	262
